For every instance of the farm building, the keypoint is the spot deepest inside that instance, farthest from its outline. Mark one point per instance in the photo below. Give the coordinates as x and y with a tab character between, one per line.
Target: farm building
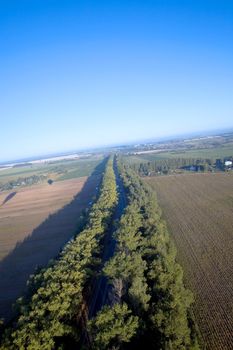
228	163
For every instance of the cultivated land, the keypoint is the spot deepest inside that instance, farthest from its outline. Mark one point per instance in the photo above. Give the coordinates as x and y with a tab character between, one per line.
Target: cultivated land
57	170
218	146
35	222
220	152
128	272
198	209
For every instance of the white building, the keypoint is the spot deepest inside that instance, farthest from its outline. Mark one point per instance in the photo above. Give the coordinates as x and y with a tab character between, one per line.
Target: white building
228	163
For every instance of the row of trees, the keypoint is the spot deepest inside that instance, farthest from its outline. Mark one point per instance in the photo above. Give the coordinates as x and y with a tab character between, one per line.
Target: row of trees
48	319
164	166
22	181
150	306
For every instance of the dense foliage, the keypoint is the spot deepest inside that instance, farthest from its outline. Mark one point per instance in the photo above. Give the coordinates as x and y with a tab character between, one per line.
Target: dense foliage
113	326
145	276
48	319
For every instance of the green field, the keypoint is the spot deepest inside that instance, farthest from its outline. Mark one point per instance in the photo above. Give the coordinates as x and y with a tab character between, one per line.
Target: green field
58	171
79	169
218	152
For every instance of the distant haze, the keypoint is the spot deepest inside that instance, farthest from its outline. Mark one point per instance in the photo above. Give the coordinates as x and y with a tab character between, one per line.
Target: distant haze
81	74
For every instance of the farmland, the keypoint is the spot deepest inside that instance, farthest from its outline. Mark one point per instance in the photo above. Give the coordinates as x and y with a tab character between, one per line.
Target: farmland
218	152
114	283
35	222
198	209
210	147
57	170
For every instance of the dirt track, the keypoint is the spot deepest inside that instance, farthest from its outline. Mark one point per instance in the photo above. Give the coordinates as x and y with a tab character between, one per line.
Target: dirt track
34	224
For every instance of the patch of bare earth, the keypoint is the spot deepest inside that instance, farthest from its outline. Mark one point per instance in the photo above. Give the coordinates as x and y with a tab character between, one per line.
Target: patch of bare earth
34	225
199	212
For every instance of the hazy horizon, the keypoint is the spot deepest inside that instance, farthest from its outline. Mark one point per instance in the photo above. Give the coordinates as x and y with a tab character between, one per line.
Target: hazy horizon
164	138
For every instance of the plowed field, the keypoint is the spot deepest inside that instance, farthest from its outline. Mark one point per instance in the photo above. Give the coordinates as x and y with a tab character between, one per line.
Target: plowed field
198	209
35	222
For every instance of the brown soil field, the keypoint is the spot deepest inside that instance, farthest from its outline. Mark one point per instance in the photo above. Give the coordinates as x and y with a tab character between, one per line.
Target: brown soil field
198	209
35	223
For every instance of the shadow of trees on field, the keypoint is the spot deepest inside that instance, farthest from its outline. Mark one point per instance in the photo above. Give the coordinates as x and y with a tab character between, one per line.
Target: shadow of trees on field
8	198
43	244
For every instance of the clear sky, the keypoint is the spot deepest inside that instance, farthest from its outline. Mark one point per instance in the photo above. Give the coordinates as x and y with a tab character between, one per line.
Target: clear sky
86	73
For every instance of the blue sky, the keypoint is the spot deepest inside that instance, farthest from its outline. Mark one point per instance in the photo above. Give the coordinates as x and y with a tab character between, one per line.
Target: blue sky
77	74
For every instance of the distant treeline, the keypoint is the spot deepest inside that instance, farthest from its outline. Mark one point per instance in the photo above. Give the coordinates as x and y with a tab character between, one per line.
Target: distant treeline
21	165
165	166
22	181
150	306
49	318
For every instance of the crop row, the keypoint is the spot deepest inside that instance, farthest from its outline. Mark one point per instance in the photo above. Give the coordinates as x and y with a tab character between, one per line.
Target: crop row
198	209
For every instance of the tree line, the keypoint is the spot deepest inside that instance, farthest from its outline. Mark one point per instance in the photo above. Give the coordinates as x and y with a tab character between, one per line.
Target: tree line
48	317
150	306
166	166
22	181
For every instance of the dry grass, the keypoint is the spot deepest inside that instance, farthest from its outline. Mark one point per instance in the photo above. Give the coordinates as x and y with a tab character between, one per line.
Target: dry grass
198	209
34	225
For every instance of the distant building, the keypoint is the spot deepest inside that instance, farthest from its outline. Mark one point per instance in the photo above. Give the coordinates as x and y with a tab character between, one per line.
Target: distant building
228	163
219	163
